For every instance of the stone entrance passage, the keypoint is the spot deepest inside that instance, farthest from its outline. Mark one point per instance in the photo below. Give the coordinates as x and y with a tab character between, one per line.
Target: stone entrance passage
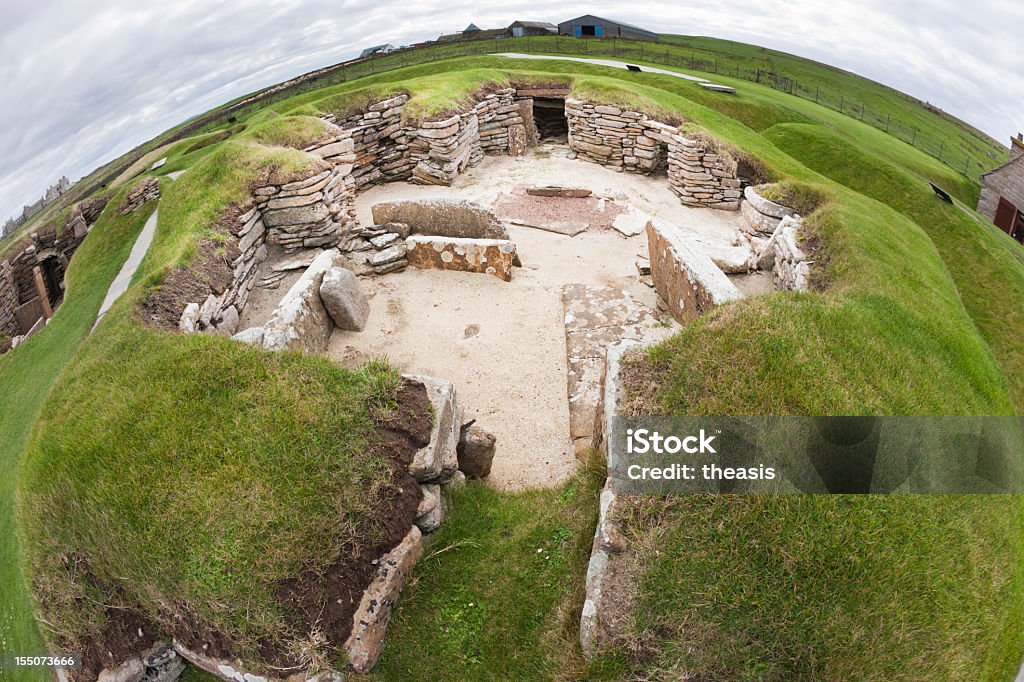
549	116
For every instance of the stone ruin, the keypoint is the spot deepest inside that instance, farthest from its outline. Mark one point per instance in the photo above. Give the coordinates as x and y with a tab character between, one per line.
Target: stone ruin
375	146
774	231
32	273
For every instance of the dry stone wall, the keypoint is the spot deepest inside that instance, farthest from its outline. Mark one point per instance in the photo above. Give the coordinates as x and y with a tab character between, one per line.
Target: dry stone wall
32	274
314	212
632	141
379	143
8	302
688	281
616	138
702	176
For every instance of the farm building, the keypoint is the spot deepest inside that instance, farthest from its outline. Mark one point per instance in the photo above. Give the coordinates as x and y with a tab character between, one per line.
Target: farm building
377	49
590	26
472	32
523	29
1002	192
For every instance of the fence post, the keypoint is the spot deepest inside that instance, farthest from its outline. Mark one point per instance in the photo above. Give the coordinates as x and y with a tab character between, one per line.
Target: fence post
842	103
716	65
817	91
888	117
942	144
863	106
913	140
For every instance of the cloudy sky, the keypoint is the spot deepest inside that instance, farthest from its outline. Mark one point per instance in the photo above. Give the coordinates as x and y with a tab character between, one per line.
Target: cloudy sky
83	82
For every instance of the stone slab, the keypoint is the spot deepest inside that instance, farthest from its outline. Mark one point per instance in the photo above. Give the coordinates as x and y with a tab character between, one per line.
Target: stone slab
490	256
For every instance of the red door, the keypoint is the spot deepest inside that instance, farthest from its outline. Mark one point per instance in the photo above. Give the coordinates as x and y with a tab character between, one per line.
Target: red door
1005	215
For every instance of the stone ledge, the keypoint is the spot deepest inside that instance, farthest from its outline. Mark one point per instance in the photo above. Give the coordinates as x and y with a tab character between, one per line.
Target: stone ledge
688	281
489	256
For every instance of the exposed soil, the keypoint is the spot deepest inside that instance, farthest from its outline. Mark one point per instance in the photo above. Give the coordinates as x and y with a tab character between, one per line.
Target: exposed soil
124	634
329	601
210	272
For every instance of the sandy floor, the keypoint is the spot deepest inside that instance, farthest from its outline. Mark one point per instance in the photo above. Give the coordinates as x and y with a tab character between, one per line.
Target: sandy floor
503	343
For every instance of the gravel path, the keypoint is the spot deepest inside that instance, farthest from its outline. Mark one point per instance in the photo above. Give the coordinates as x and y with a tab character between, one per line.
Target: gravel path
124	277
602	62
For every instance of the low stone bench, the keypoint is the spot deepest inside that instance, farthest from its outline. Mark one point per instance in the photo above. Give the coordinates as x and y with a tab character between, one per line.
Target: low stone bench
490	256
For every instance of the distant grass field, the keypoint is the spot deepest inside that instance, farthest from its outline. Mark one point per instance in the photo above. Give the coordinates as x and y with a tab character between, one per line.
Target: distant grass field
905	327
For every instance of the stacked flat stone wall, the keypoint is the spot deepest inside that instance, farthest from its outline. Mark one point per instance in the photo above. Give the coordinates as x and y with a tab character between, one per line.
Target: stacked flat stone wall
380	143
8	302
702	176
316	211
505	123
444	149
615	137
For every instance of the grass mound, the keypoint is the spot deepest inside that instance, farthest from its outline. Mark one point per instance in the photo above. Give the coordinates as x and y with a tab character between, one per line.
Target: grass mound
26	376
826	588
981	259
230	473
196	487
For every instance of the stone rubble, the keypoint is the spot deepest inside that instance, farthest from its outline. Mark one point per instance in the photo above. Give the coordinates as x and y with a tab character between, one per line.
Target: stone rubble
146	190
791	269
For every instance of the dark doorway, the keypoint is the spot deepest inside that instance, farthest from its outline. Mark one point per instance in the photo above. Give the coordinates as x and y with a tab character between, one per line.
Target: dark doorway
1018	228
549	115
588	30
53	274
1005	216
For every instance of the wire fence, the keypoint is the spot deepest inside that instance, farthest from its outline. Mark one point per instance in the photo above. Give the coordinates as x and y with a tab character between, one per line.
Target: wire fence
657	52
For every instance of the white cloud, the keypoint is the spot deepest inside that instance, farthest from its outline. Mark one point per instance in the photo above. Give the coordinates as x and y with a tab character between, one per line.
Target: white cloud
85	82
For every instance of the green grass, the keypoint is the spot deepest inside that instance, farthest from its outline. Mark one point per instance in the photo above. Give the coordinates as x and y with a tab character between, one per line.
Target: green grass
984	263
903	327
826	588
498	593
27	374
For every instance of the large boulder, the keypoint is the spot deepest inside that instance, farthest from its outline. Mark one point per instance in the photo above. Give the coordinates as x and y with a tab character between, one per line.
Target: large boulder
344	299
440	217
476	451
300	320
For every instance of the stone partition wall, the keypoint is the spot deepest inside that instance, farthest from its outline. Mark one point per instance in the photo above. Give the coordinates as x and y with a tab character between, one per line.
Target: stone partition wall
702	176
444	149
616	138
688	281
506	123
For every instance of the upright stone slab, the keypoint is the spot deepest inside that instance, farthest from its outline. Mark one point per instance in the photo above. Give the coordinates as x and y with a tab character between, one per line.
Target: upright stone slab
490	256
300	321
439	458
370	621
688	281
